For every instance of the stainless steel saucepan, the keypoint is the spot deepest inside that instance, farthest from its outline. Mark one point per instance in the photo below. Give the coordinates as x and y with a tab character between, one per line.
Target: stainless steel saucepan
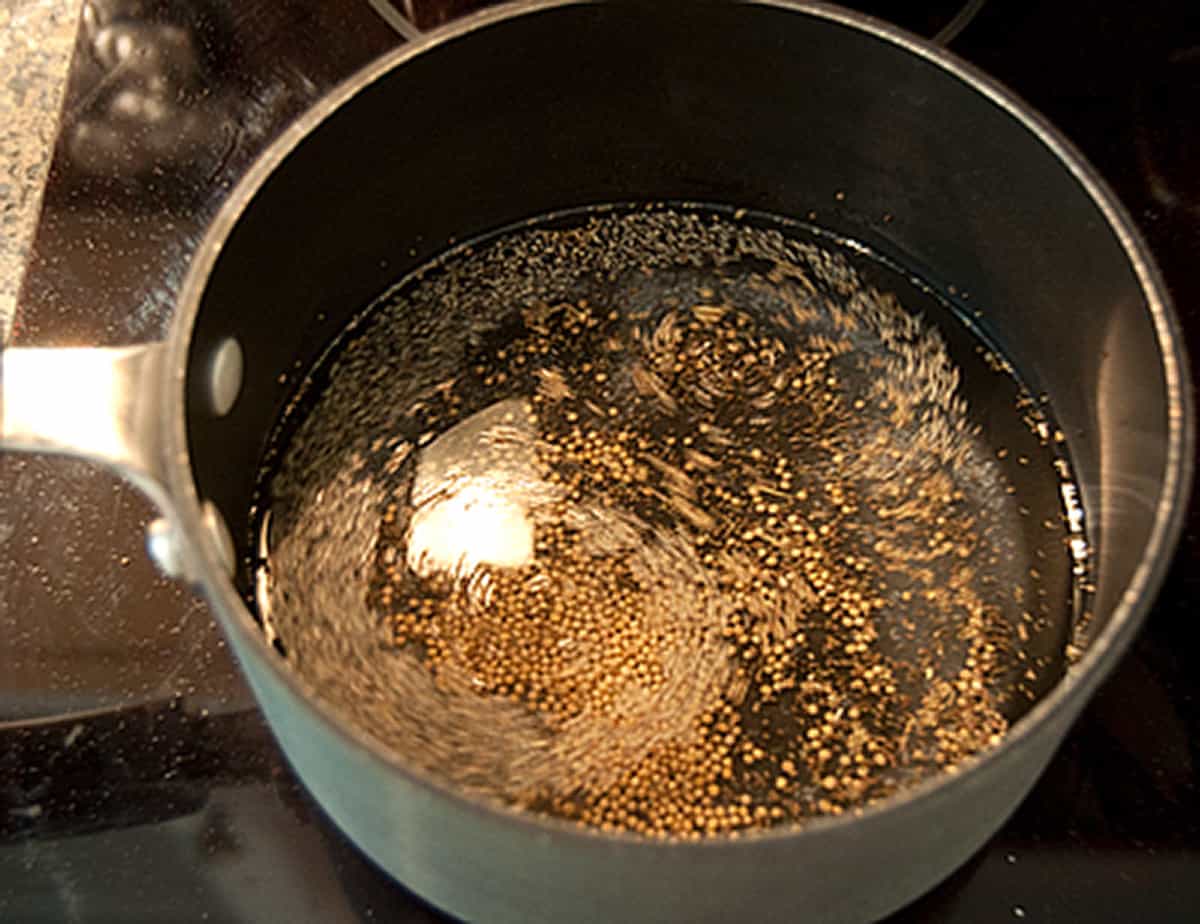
788	108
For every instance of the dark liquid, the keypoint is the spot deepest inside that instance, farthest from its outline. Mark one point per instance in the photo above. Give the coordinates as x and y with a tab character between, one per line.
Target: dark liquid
672	522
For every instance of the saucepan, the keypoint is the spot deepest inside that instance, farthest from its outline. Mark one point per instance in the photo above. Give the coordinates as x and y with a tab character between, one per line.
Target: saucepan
781	108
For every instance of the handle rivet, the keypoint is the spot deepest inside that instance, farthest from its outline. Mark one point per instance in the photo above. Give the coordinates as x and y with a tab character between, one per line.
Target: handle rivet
162	543
225	376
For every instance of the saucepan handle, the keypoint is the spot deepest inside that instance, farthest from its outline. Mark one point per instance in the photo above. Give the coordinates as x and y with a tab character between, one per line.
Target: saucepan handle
98	403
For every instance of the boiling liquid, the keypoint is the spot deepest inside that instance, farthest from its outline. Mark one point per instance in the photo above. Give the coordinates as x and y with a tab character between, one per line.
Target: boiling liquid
670	522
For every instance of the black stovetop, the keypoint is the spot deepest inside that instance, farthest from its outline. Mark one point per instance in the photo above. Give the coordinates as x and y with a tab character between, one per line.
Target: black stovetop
137	779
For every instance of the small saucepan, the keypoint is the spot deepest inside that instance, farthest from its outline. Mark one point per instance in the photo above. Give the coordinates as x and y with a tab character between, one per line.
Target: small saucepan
783	108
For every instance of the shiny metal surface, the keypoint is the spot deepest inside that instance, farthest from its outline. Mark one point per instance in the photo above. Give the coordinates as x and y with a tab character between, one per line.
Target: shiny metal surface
225	376
87	402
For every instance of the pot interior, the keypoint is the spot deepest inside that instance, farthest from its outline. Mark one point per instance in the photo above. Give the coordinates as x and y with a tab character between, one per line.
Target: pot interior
749	106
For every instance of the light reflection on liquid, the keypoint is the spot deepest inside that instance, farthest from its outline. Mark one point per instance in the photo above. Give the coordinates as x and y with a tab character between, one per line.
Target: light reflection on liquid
474	492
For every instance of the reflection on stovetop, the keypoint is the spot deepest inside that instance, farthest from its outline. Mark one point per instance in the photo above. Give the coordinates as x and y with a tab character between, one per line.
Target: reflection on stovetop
137	781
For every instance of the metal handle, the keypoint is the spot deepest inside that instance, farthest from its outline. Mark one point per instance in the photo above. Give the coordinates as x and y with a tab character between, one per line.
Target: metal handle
98	403
105	404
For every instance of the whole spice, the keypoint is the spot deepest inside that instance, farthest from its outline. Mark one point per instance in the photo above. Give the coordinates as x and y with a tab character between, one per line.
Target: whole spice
715	544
